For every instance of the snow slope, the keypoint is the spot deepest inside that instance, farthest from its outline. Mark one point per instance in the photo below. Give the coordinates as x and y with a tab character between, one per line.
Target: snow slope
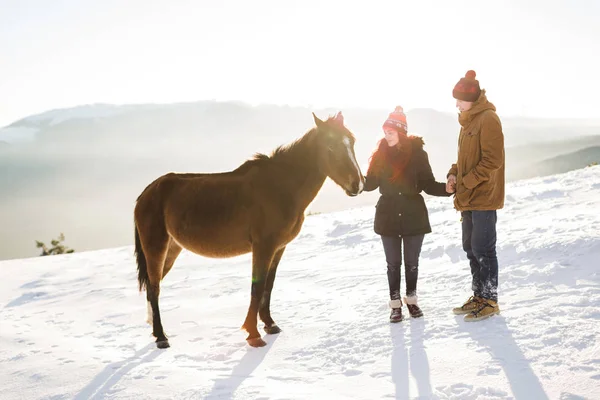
73	326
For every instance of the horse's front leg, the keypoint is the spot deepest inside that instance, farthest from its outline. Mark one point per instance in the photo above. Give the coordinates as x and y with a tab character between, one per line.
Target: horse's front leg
264	309
262	257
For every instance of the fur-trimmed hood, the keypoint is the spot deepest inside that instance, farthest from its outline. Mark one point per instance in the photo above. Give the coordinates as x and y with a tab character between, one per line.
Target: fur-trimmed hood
417	141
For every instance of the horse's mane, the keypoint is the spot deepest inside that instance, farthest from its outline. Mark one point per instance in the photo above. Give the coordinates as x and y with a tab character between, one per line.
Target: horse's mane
297	152
284	153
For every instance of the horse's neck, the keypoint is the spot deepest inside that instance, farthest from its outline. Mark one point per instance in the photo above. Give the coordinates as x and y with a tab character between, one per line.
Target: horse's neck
307	178
311	186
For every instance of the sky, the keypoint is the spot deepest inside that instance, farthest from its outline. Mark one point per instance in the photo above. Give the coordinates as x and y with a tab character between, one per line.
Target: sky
535	58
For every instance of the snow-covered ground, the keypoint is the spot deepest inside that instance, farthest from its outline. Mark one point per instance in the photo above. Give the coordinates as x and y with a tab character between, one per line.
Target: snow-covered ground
74	326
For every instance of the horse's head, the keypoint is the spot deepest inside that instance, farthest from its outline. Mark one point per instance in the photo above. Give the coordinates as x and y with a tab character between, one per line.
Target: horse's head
336	144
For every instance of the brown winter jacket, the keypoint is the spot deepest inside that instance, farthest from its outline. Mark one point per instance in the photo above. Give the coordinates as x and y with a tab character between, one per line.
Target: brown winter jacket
479	170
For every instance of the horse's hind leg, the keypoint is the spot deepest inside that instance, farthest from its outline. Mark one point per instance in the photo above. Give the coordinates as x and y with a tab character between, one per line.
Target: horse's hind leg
262	257
156	253
264	309
172	254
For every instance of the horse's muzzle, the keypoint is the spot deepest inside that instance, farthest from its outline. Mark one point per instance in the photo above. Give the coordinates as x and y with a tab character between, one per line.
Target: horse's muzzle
356	189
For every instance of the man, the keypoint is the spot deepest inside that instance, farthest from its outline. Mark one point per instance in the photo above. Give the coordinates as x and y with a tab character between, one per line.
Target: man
477	179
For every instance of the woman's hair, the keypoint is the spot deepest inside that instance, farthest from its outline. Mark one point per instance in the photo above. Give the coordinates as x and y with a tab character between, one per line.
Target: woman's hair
394	158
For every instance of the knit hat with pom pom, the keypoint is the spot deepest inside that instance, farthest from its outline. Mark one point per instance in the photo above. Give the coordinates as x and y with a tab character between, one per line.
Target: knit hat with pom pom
467	88
396	120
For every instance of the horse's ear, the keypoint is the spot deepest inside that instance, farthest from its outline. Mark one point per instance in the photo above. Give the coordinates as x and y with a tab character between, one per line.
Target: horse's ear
317	121
339	118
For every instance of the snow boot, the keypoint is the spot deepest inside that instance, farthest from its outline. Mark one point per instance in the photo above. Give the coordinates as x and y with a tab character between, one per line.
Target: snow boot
413	308
396	315
470	305
486	309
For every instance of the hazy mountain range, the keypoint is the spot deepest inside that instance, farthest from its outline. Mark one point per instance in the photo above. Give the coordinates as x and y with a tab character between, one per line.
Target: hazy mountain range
79	170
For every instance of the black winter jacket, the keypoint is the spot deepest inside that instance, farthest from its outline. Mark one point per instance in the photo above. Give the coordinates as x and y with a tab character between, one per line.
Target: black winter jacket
401	209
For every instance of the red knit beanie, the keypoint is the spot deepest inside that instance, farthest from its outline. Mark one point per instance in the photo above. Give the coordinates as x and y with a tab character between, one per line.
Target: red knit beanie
396	120
467	88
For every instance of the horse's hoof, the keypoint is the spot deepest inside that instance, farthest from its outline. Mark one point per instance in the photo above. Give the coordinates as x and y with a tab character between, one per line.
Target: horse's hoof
272	329
162	344
256	342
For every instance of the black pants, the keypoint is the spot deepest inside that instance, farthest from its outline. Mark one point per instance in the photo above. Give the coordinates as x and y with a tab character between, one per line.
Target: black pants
392	246
479	242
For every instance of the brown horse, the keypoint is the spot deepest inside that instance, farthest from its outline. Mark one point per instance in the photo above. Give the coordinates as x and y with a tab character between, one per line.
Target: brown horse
258	207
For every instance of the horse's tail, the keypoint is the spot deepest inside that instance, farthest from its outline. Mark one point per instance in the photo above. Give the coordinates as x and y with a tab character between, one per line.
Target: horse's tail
141	261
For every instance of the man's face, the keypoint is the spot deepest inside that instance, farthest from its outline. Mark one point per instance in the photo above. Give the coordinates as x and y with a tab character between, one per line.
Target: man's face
463	105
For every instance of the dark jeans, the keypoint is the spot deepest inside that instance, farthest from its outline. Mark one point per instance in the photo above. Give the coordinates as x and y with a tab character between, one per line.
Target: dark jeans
479	241
392	246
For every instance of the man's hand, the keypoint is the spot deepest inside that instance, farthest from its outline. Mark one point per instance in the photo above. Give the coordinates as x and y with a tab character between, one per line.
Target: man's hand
451	184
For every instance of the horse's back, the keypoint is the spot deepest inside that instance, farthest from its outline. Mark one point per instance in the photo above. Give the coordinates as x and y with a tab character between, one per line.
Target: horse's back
208	214
222	214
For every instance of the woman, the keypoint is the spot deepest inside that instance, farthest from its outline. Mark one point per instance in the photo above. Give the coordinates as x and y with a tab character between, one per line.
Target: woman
400	168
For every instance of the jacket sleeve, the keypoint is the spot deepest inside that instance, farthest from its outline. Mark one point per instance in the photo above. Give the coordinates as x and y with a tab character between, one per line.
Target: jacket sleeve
371	178
371	182
426	180
453	171
454	167
491	140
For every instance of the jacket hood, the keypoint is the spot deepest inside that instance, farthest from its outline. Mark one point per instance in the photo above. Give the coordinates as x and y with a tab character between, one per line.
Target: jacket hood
416	141
482	104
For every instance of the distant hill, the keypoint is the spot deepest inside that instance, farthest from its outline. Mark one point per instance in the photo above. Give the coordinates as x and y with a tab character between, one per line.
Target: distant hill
537	158
79	170
566	162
